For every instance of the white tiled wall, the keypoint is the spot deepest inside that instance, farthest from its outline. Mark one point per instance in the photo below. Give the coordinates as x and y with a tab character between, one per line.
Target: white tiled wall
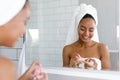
52	18
12	53
114	59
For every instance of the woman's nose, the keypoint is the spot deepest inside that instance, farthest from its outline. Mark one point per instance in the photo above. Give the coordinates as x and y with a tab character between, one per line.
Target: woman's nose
86	33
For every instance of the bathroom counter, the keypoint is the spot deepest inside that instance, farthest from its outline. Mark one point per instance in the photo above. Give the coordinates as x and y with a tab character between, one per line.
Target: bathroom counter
80	74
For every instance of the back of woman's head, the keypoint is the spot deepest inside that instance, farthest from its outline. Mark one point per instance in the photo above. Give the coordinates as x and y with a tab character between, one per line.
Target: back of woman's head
9	9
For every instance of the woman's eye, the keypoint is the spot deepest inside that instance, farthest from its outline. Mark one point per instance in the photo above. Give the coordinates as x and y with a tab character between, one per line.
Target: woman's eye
91	30
82	29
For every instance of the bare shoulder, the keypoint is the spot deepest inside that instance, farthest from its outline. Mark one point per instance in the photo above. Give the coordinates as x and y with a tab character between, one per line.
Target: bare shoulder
102	45
7	63
99	44
103	49
8	66
67	48
5	60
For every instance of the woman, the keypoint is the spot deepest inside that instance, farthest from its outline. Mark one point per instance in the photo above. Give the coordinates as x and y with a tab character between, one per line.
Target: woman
14	15
85	52
7	68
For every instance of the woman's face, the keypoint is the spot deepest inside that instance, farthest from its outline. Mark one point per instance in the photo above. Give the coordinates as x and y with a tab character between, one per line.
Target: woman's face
16	27
86	29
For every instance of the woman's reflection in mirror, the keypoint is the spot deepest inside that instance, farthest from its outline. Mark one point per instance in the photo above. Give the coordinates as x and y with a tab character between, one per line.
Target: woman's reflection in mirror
83	51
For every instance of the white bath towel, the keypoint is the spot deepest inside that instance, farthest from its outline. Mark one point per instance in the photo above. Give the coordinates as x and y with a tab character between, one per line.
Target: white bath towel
9	9
21	63
80	12
98	61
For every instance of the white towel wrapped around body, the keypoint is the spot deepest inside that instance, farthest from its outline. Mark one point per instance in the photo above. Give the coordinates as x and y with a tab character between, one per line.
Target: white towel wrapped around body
98	61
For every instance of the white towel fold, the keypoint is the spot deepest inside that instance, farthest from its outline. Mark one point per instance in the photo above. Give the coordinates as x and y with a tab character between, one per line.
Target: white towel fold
9	9
21	63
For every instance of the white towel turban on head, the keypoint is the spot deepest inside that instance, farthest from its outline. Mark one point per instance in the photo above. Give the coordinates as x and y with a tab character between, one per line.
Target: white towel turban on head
9	9
80	12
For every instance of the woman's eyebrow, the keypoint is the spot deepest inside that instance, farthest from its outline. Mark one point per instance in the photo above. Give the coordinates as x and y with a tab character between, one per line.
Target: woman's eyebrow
82	26
92	28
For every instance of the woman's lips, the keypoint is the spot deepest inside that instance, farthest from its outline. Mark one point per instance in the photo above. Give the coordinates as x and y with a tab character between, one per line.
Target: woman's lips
85	38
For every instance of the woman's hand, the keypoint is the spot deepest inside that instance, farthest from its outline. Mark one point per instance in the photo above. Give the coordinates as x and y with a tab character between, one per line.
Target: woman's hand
34	73
90	64
75	61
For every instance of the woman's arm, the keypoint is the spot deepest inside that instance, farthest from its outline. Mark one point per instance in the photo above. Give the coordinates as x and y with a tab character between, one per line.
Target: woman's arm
66	60
70	62
105	57
33	73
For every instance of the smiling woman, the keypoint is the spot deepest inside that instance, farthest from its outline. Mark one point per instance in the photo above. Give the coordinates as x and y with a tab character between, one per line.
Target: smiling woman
53	18
84	50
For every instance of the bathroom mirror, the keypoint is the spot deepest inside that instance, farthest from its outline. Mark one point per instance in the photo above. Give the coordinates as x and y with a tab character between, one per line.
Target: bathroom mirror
48	26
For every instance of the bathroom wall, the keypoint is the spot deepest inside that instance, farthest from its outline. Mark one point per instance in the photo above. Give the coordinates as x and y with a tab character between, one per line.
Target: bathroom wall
52	18
12	53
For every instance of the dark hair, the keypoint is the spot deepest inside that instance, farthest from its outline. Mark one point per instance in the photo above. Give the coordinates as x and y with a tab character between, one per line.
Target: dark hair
88	16
25	3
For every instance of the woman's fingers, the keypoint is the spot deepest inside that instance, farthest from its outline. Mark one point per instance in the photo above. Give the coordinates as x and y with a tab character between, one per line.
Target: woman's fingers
87	63
34	69
73	63
42	76
45	76
95	64
38	74
90	63
33	65
78	56
34	73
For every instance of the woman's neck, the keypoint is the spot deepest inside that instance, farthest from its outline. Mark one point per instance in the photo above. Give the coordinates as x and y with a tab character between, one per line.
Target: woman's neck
2	35
85	44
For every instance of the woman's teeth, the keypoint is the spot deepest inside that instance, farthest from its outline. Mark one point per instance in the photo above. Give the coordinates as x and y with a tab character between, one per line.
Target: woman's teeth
85	37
